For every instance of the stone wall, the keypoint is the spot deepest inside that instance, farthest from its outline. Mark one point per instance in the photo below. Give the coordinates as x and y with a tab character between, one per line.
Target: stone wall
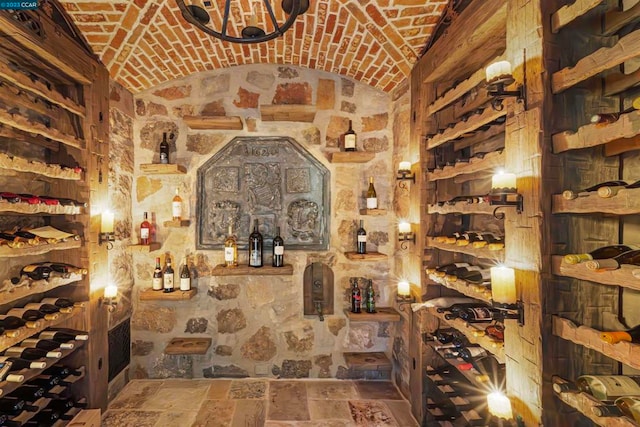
256	323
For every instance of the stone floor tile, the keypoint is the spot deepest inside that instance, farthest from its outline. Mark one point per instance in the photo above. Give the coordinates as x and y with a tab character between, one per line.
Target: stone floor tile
135	394
248	389
214	413
250	413
176	419
219	389
323	423
378	390
331	390
281	396
178	397
329	409
371	413
401	411
128	418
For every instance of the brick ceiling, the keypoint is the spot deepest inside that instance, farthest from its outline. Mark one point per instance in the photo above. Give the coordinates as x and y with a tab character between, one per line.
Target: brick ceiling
147	42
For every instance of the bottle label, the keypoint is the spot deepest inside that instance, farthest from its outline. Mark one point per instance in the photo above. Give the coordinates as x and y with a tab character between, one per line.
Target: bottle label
362	239
168	281
256	258
29	268
481	313
372	203
349	141
228	254
156	285
164	157
278	250
606	387
176	209
144	233
185	283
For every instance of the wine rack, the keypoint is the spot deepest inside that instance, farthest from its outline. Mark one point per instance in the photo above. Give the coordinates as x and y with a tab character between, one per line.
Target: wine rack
10	292
626	276
483	253
626	202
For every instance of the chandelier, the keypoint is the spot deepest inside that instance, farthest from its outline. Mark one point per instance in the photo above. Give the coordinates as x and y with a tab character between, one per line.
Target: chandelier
199	18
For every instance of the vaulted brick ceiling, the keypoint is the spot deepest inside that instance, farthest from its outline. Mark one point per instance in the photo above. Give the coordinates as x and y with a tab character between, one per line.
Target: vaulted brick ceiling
146	42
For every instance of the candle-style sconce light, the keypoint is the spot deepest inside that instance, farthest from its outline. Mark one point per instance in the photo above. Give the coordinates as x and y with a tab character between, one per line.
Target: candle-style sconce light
498	76
110	297
405	234
405	174
404	293
106	234
503	293
504	193
499	405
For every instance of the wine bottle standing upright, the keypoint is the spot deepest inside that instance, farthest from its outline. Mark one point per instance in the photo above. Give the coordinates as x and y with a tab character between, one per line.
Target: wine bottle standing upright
372	197
230	249
356	297
185	275
145	230
176	206
361	244
156	283
278	249
164	150
350	139
255	246
370	298
167	275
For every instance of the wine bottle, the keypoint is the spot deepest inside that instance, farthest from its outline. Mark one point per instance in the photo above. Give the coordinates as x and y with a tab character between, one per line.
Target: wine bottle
468	237
11	241
349	139
18	364
156	283
602	387
14	405
46	417
630	335
474	314
61	302
167	275
48	308
63	268
62	371
630	406
468	354
460	305
30	199
479	277
50	201
571	195
164	150
445	336
460	271
30	314
145	229
604	118
608	191
255	246
46	344
372	197
176	206
71	202
356	296
490	241
32	239
278	250
230	249
47	381
370	298
185	276
31	353
5	368
361	243
15	322
63	335
443	270
606	264
9	197
600	253
36	271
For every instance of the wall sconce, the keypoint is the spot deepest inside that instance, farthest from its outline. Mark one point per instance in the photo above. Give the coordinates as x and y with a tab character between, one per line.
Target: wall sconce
504	193
106	229
405	234
404	293
499	405
110	297
498	76
405	174
503	293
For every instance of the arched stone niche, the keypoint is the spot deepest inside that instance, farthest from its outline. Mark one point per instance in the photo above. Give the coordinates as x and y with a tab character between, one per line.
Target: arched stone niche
271	179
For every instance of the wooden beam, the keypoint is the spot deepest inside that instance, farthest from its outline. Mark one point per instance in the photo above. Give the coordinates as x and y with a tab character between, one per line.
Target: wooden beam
622	145
616	19
619	82
568	13
18	135
213	122
288	113
26	125
479	137
461	128
626	202
490	161
628	47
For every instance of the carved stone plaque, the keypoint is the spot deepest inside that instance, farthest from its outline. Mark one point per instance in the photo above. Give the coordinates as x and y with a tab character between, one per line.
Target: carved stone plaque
271	179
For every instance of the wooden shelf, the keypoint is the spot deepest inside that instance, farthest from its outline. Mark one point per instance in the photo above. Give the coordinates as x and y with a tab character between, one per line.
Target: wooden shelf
49	170
369	256
568	13
473	123
469	250
22	123
177	224
245	270
10	292
621	277
162	169
382	314
213	122
38	250
594	134
490	160
177	295
623	351
351	157
188	345
373	212
145	248
468	329
40	208
626	202
462	208
288	113
464	288
583	402
600	60
374	361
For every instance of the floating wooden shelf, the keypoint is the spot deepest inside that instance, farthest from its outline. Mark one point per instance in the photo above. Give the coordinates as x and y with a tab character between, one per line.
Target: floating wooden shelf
288	113
351	157
468	329
490	161
177	224
38	250
473	123
21	122
40	208
162	169
623	351
145	248
213	122
568	13
245	270
188	345
49	170
464	288
626	202
462	208
373	212
469	250
600	60
621	277
584	403
382	314
10	292
373	361
369	256
591	135
177	295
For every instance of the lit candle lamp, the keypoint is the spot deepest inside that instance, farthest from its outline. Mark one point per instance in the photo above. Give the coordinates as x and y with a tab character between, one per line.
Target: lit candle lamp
404	167
106	223
498	71
503	182
503	285
404	227
404	288
499	405
110	291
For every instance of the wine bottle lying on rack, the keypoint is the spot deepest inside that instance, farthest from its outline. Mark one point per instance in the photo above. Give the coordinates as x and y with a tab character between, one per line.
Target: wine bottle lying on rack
18	364
45	344
12	405
571	195
63	335
490	241
32	239
606	388
31	315
607	191
630	335
478	314
443	270
600	253
607	264
12	323
623	406
11	241
30	353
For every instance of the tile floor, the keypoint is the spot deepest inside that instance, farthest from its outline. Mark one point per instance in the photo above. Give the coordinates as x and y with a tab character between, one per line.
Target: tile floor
258	402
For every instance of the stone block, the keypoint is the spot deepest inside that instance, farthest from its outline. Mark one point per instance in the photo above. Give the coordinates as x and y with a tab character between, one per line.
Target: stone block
226	371
287	72
174	92
183	110
246	99
260	346
348	107
215	84
261	80
300	344
196	325
375	122
326	94
293	369
224	292
168	366
293	93
203	143
336	324
376	145
224	350
378	238
348	87
141	348
156	109
231	321
311	136
213	108
154	319
324	362
141	107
